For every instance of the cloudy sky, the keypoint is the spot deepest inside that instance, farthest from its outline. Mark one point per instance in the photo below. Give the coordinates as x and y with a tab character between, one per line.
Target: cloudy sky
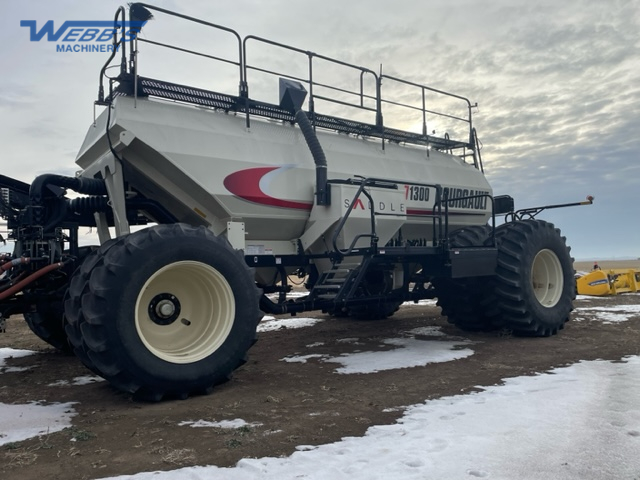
557	83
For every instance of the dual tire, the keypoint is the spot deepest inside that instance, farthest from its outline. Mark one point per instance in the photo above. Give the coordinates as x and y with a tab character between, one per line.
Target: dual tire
532	290
168	311
534	285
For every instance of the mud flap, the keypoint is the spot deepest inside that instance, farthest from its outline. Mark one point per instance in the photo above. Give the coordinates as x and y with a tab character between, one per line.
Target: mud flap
473	262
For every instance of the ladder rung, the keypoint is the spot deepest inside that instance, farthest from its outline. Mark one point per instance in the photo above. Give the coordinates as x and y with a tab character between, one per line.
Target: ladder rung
327	296
340	270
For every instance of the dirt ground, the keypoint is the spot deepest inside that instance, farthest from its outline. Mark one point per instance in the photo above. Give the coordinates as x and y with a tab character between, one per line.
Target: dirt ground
608	264
293	403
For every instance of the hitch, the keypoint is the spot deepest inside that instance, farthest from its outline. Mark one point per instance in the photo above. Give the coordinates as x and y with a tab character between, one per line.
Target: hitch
530	213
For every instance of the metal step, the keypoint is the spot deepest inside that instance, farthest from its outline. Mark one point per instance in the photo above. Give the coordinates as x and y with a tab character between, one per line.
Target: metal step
327	296
340	270
332	283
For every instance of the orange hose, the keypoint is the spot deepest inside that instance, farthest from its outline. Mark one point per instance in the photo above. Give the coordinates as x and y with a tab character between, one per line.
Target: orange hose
12	263
34	276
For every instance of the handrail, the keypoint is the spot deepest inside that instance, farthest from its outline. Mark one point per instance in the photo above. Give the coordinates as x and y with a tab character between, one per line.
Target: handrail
310	82
382	183
133	64
367	96
208	24
115	42
424	89
192	52
442	92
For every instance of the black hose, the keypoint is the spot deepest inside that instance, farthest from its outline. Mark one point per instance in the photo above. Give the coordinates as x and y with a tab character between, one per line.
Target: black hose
88	186
89	204
322	195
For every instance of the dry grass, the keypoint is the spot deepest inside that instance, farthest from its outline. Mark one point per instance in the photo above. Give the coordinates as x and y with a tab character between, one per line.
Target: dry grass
179	456
174	456
608	265
22	456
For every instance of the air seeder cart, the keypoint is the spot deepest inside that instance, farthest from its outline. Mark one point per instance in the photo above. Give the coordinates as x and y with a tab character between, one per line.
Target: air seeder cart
238	195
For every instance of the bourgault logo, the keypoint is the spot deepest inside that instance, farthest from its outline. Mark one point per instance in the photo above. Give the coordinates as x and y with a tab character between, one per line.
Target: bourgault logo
83	35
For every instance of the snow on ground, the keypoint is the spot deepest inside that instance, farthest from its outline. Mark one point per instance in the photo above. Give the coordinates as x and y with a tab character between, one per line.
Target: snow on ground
586	298
613	314
270	323
83	380
227	424
578	422
301	358
22	421
411	353
19	422
430	302
430	331
6	353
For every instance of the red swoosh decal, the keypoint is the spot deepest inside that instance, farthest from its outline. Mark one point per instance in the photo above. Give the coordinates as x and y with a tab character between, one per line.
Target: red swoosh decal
246	185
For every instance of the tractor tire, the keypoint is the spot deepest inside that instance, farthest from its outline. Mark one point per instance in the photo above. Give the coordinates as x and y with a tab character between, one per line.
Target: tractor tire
168	311
47	319
47	322
73	316
374	312
534	285
461	299
376	282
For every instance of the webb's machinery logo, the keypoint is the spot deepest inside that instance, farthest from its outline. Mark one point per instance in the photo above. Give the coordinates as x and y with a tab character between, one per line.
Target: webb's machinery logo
82	35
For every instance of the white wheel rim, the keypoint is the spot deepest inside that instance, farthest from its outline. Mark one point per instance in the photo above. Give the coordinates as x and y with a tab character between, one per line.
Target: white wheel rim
547	278
204	317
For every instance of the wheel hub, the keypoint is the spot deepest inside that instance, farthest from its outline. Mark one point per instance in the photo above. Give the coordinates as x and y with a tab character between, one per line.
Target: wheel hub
547	278
164	309
190	329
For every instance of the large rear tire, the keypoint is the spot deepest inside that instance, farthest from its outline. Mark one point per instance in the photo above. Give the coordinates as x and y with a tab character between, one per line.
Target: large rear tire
47	319
376	282
461	299
534	286
74	317
167	311
47	322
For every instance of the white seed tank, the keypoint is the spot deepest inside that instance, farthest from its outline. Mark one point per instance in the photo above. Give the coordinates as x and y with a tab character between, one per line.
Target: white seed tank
206	167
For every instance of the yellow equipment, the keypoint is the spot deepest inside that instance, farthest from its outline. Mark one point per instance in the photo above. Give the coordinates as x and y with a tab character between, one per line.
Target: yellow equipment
600	283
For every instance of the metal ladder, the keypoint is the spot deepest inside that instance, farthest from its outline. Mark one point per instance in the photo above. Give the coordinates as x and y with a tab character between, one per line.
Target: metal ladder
340	282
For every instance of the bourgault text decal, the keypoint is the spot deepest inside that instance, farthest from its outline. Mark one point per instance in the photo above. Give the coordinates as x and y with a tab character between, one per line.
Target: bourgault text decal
478	200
